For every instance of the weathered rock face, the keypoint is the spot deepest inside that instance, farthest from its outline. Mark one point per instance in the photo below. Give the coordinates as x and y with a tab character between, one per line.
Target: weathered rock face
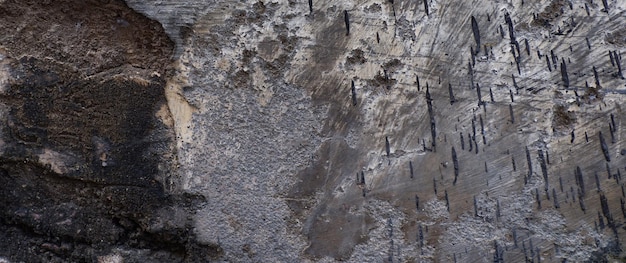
269	131
86	150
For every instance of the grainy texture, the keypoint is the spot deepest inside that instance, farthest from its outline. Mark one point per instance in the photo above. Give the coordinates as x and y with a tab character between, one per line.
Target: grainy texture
284	139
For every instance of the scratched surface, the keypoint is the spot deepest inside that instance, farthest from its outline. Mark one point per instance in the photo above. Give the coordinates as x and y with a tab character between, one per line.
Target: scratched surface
400	131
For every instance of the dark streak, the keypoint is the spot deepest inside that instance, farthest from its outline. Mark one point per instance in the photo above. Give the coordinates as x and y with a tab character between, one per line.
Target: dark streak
476	32
579	181
447	200
417	80
597	181
554	198
417	203
462	141
564	75
509	22
452	99
346	19
455	162
480	99
595	75
605	148
606	6
354	101
513	161
530	165
482	129
511	113
618	62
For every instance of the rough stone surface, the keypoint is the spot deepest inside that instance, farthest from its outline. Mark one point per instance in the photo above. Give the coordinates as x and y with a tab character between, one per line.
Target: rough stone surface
261	131
87	156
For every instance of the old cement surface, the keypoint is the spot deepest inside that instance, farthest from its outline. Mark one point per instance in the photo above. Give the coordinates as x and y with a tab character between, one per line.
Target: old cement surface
292	169
278	146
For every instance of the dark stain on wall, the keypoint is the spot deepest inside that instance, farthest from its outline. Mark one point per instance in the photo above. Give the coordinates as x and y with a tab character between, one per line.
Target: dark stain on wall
84	157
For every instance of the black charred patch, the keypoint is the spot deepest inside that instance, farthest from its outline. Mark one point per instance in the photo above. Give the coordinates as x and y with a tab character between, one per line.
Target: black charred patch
85	158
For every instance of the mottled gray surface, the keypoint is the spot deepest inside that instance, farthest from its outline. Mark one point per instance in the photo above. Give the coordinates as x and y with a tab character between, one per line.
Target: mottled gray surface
278	146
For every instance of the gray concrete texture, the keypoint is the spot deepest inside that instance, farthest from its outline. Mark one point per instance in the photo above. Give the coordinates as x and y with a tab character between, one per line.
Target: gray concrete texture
279	145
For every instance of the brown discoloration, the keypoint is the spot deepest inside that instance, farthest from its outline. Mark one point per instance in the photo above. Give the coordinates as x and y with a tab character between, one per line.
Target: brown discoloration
380	80
332	41
393	64
592	94
78	32
86	160
562	118
356	57
549	14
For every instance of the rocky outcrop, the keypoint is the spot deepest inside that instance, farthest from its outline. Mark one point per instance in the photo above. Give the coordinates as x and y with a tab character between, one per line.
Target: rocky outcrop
87	147
286	131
